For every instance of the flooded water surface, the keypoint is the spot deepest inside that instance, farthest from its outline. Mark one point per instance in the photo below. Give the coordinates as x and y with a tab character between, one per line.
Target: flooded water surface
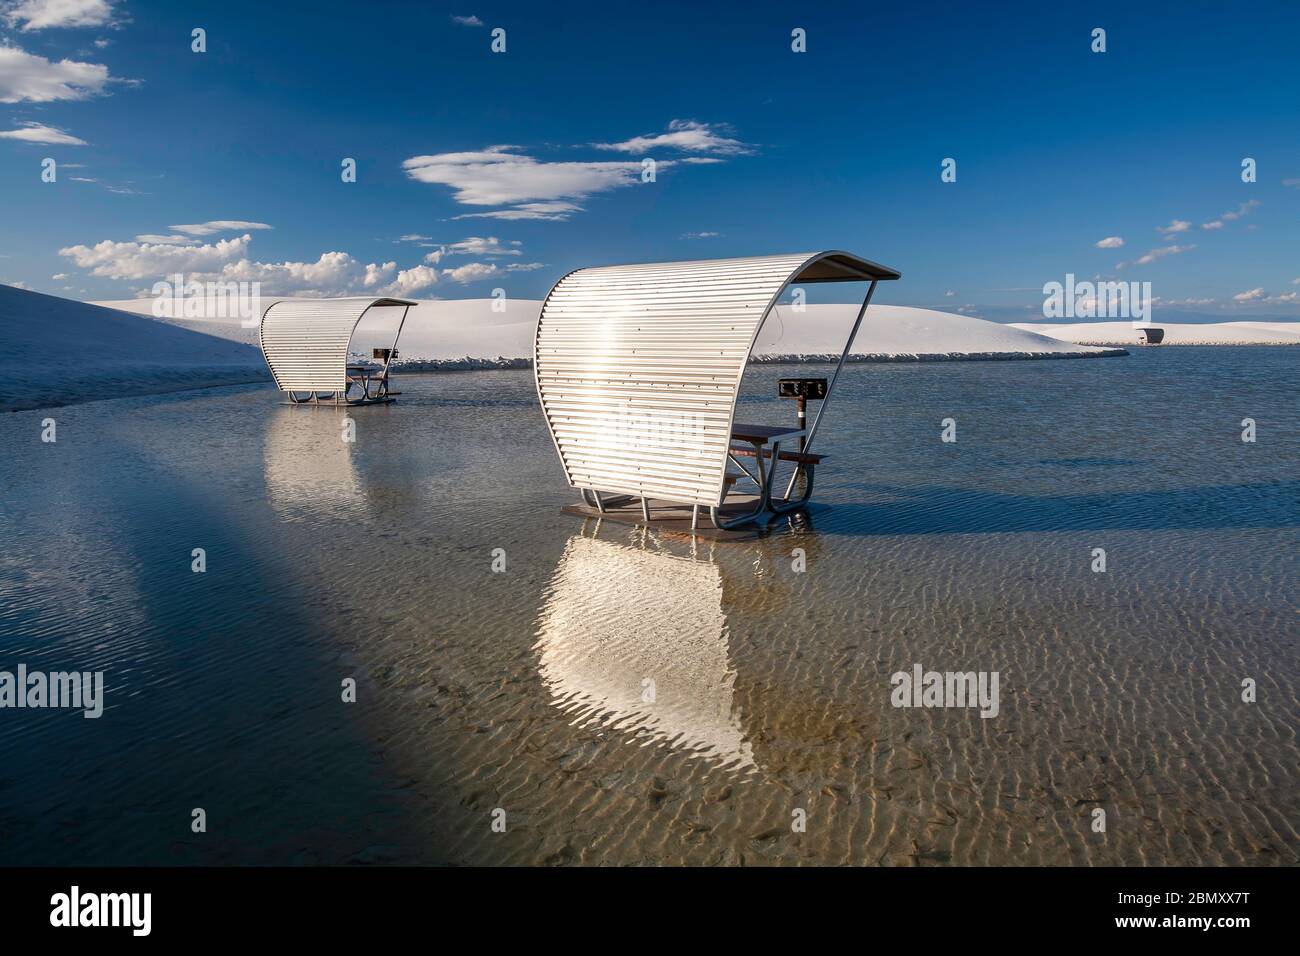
616	695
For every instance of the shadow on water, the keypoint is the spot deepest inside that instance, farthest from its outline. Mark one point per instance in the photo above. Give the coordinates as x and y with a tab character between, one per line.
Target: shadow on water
947	510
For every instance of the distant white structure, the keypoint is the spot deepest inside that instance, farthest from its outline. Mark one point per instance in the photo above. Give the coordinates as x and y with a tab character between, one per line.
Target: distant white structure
306	342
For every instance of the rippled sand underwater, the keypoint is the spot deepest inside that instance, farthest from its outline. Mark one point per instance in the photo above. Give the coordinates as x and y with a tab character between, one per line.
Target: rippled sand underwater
630	697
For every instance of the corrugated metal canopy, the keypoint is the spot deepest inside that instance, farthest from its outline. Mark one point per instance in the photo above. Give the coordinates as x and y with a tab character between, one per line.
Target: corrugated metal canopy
305	341
638	367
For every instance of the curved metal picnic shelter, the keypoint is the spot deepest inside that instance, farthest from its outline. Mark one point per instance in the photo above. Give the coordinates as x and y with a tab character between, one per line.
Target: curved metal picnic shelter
306	345
638	370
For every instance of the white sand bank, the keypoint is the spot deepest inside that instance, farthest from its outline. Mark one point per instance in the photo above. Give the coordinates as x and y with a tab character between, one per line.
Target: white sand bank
1210	333
445	330
61	352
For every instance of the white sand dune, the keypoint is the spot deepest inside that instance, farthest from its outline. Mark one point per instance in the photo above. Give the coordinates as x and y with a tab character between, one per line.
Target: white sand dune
61	352
442	330
1188	333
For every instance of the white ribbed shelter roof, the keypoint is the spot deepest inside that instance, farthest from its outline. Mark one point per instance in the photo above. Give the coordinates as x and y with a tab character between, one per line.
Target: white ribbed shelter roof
638	367
305	341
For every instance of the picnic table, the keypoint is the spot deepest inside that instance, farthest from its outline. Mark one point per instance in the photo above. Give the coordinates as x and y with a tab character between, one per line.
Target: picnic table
763	444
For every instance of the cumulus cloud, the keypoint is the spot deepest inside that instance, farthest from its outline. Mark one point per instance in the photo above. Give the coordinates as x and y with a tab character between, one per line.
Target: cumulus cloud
218	225
152	257
142	260
688	136
411	280
26	77
38	133
1110	242
28	15
1175	226
1253	295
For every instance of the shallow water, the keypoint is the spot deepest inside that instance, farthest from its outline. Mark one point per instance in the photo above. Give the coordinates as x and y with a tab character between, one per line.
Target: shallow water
630	697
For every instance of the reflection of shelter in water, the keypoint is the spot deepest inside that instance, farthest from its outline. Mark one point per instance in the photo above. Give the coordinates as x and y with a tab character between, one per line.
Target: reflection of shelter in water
636	639
309	467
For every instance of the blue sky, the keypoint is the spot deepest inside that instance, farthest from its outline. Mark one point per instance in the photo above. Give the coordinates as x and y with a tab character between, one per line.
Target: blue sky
517	167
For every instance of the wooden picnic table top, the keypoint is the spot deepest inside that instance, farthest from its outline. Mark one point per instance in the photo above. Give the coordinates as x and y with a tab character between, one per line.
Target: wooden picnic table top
763	434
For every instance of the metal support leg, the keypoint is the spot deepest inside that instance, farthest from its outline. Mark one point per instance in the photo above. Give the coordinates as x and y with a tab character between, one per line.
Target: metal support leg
764	493
871	289
695	517
645	510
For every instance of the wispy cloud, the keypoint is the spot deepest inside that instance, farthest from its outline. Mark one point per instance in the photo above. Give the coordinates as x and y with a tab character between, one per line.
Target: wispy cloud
1110	242
1231	215
689	136
26	77
486	246
1155	254
477	271
470	21
1175	226
1241	210
39	133
1259	295
218	225
554	211
701	235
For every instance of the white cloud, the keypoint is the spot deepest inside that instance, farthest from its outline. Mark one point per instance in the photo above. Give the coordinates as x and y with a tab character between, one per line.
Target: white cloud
497	176
333	273
949	293
412	237
25	77
1155	254
411	280
1291	182
44	14
142	260
1110	242
701	235
218	225
59	276
37	133
1212	224
686	135
1175	226
470	21
1254	295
